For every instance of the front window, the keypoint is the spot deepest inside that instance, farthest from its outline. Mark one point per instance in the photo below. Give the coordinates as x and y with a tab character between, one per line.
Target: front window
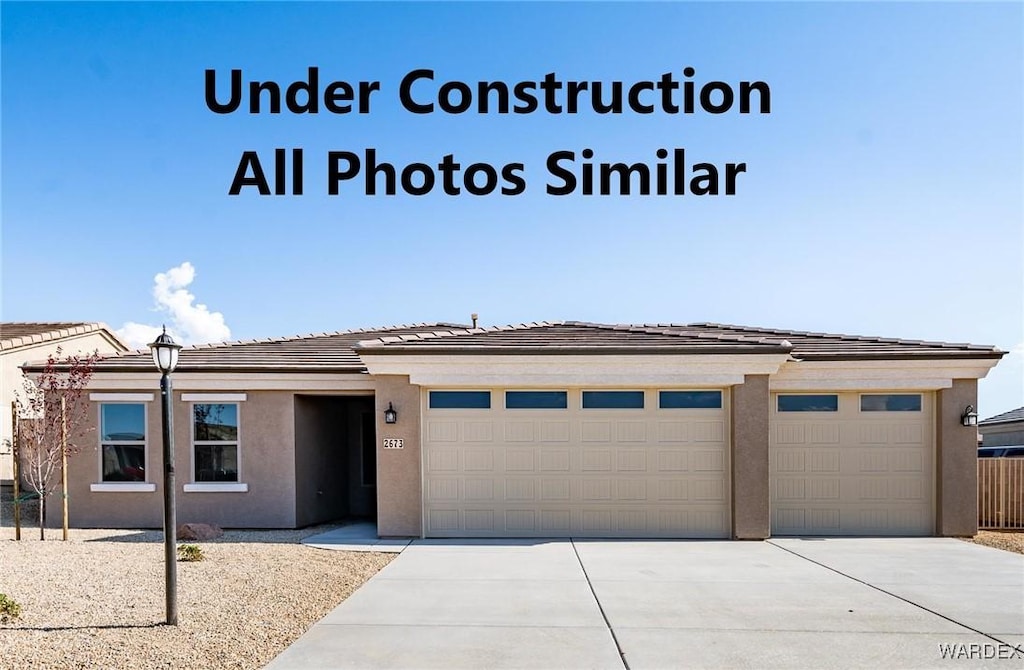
123	442
215	441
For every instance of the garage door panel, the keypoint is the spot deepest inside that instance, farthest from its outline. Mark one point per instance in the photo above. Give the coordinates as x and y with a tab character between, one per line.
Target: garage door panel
853	472
597	473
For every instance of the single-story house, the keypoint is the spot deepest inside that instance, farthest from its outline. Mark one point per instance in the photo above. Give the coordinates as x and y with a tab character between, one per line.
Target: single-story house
21	342
1002	430
547	429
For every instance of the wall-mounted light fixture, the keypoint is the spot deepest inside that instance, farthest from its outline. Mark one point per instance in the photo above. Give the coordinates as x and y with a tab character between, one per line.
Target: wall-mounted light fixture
969	417
391	416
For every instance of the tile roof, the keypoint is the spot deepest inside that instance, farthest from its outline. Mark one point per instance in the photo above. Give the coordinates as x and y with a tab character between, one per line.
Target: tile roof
339	351
15	334
1005	417
828	346
316	352
572	336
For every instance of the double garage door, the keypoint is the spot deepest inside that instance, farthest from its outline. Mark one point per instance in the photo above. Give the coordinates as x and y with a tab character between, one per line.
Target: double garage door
631	463
852	464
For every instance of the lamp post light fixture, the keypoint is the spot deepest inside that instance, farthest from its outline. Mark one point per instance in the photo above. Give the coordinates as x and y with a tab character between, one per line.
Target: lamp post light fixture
165	357
390	415
969	417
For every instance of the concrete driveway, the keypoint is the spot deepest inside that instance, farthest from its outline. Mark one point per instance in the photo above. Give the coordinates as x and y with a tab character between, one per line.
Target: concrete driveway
784	603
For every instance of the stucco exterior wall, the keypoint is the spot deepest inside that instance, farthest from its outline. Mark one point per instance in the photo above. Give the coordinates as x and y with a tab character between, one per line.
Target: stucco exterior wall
266	465
399	473
751	519
10	379
956	457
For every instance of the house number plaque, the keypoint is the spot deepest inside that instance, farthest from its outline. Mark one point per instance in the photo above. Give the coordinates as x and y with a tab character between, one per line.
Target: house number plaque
394	443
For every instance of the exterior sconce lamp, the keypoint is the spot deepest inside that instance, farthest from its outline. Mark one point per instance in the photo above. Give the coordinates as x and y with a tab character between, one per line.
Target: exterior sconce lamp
969	417
165	357
390	415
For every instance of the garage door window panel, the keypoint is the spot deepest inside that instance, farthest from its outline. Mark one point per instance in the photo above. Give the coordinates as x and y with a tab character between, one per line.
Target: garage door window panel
808	403
690	400
460	400
613	400
536	400
891	402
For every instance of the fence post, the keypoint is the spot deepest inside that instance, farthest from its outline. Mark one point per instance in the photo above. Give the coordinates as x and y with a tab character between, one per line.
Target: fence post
64	463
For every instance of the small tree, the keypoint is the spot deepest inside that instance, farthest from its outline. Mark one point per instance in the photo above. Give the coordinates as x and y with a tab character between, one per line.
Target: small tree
56	407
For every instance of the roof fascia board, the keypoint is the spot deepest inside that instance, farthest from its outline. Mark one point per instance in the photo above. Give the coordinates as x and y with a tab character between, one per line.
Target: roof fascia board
675	370
197	381
869	375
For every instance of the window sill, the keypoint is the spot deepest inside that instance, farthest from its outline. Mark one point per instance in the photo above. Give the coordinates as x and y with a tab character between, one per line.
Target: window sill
216	487
123	487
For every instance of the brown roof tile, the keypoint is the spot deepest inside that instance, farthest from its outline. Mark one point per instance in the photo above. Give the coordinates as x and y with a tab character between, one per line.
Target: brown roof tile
15	334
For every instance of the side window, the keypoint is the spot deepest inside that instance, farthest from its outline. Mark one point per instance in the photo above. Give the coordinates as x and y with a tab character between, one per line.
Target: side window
689	400
536	400
123	442
215	442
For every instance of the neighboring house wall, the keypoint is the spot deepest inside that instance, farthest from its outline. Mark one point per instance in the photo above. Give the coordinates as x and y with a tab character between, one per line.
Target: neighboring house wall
11	384
1002	434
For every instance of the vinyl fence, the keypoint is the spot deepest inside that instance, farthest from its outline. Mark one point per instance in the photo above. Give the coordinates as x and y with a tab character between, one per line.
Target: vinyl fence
1001	493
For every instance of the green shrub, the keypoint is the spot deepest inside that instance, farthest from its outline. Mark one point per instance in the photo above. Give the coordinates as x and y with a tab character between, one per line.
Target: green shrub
9	609
190	552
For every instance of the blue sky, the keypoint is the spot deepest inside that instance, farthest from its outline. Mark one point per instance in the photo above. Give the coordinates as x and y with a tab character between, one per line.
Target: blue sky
883	193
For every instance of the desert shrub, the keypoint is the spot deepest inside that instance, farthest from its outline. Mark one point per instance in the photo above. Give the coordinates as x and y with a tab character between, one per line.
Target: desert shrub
190	553
9	609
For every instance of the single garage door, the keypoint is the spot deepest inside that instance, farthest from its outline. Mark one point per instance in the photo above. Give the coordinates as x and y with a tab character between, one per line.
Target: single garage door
576	462
852	464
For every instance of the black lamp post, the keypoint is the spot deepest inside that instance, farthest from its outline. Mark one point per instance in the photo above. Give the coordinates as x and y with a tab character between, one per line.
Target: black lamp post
165	357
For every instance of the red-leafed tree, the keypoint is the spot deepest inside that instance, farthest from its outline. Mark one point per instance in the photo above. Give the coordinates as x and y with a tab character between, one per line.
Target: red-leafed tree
52	406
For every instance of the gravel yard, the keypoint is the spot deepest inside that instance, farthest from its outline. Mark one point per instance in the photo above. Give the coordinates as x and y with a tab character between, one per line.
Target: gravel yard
1010	540
97	601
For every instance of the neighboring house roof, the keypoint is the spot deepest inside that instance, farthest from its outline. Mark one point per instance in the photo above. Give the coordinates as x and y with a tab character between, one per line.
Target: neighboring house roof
339	351
15	334
1006	417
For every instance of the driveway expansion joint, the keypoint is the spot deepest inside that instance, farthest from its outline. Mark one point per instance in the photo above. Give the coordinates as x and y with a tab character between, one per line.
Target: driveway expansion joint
600	608
893	595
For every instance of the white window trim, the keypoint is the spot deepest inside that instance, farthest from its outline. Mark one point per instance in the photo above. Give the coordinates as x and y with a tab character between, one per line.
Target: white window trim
209	398
123	487
220	486
216	487
123	399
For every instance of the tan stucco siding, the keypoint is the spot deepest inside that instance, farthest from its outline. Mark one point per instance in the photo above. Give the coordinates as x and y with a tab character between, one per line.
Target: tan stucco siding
957	456
266	465
399	473
750	502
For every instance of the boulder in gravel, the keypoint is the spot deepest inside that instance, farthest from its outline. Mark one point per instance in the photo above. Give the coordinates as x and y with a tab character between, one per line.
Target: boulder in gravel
199	531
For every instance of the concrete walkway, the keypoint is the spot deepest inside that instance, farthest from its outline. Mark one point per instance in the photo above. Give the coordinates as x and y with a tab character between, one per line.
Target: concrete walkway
824	603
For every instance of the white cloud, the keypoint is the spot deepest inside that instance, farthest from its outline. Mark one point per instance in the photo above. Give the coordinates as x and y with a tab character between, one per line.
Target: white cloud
190	322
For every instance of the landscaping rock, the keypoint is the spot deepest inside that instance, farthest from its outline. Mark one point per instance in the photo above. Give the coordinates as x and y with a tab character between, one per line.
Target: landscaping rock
199	531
